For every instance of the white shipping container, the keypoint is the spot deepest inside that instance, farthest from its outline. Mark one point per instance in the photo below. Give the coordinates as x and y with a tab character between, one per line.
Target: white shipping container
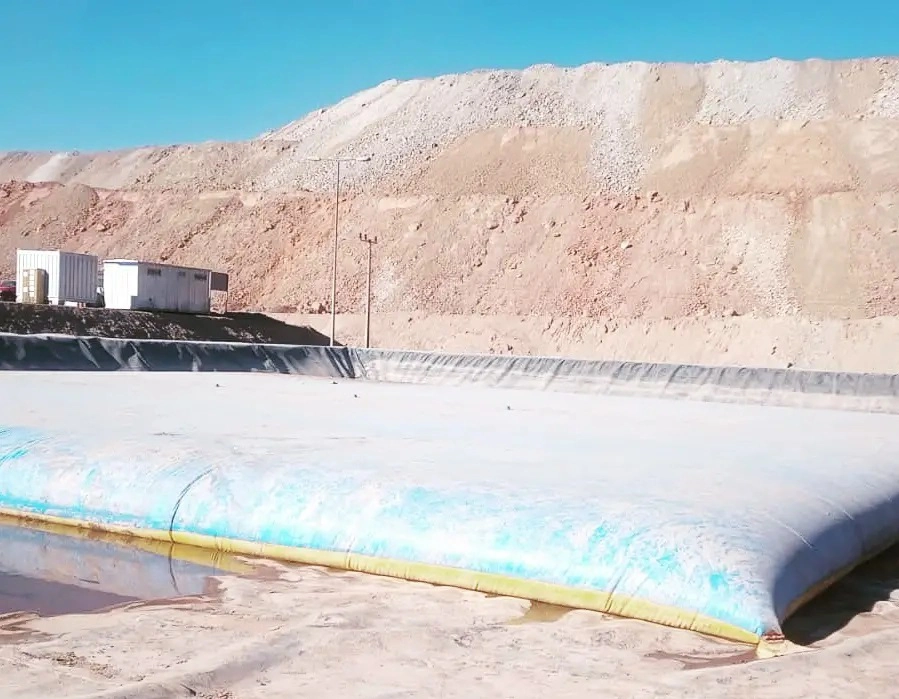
71	276
148	286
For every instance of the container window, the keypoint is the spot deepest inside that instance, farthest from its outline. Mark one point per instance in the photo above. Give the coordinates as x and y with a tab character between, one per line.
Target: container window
200	277
182	273
151	272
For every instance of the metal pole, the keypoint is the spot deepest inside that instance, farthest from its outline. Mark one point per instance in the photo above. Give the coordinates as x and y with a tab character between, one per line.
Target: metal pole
334	269
368	302
370	241
363	159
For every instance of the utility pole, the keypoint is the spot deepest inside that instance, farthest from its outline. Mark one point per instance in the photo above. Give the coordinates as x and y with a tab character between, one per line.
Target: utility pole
334	264
370	242
338	161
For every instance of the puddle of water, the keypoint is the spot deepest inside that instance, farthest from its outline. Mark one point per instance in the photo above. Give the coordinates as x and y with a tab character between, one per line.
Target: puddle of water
19	593
540	613
50	570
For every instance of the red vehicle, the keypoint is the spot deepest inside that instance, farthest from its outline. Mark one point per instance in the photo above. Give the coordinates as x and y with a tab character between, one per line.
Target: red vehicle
7	290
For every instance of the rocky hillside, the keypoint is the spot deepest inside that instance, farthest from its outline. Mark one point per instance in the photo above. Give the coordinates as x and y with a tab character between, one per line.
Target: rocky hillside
626	192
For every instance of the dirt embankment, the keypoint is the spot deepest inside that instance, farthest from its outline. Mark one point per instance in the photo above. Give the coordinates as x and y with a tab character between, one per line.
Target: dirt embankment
644	194
139	325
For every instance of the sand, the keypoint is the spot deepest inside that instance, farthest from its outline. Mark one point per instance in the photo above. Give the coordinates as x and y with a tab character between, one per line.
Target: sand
315	633
826	345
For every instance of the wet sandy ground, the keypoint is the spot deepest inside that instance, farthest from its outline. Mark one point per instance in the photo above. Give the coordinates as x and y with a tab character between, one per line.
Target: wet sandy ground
235	628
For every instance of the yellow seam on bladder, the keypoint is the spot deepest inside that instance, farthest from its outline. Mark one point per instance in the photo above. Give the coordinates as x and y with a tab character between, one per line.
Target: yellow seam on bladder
550	593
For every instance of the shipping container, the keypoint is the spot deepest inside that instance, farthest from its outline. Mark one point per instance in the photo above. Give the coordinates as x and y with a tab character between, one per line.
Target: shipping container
148	286
71	276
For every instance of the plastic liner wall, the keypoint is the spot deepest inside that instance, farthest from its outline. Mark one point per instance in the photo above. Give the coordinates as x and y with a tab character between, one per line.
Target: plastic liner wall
844	390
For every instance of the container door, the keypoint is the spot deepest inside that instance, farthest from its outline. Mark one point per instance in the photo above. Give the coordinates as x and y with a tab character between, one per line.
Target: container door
182	292
199	297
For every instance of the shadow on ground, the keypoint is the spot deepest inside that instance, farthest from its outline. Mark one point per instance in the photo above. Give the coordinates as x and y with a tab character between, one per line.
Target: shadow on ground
858	593
141	325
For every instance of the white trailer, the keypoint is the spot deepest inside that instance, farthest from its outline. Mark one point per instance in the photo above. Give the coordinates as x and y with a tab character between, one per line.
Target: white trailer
71	276
149	286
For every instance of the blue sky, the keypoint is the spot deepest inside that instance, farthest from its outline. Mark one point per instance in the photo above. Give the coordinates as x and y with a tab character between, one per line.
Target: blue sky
97	74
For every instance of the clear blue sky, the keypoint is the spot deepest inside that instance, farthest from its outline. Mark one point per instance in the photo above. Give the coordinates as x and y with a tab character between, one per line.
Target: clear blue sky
96	74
